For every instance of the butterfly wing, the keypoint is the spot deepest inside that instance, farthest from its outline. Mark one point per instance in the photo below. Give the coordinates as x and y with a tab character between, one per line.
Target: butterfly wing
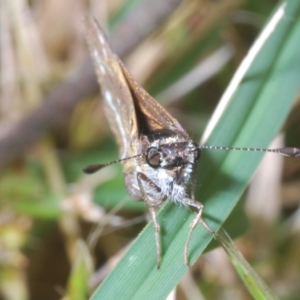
149	112
118	102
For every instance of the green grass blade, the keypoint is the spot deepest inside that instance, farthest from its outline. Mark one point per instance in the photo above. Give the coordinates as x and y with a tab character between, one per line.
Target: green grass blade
253	116
252	281
81	269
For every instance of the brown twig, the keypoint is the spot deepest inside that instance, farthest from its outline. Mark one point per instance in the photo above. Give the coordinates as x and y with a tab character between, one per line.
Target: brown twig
57	107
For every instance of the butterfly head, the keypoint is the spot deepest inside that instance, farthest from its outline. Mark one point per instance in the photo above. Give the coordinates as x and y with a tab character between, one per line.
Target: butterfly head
169	150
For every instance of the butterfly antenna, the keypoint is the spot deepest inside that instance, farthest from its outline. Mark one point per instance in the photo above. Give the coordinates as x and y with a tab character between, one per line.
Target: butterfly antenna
96	167
289	152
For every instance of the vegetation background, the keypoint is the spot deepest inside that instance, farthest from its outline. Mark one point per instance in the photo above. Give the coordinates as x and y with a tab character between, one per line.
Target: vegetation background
62	232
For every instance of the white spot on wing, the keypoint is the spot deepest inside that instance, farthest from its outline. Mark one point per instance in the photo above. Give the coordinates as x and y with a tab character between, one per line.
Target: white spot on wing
102	69
101	39
111	103
95	52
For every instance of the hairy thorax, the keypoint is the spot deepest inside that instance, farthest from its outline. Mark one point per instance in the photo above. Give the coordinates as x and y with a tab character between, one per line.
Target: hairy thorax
168	161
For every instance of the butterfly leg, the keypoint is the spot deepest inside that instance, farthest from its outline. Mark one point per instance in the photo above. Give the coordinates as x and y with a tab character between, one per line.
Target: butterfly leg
147	188
199	208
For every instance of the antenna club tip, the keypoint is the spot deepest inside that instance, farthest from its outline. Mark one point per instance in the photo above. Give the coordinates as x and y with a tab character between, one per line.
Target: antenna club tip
92	169
296	152
290	152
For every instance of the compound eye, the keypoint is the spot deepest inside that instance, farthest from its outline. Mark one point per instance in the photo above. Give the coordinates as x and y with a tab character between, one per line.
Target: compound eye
153	157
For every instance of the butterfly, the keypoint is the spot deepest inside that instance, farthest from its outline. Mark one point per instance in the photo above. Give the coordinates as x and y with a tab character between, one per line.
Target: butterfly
158	156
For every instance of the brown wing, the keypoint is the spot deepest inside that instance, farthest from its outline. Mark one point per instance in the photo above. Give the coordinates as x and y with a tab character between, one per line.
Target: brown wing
149	112
118	102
